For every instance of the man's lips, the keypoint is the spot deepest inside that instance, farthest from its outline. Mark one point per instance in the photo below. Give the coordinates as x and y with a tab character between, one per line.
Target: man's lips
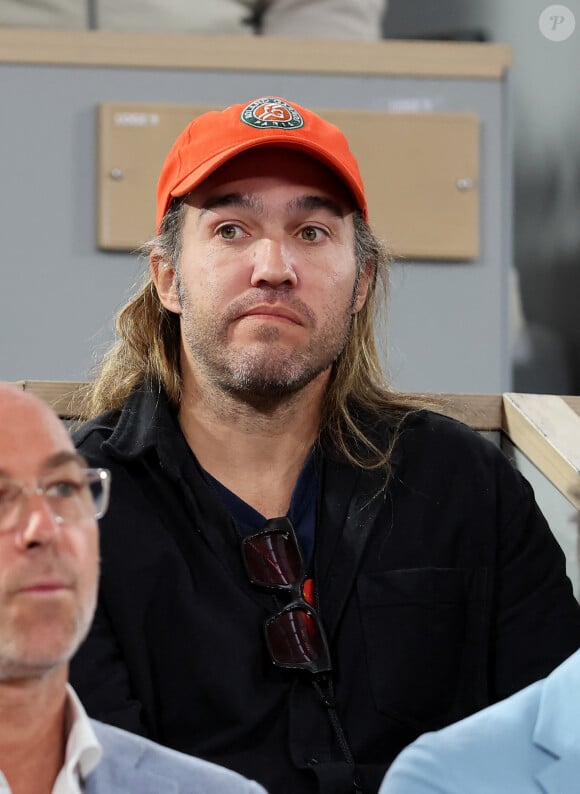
280	313
44	587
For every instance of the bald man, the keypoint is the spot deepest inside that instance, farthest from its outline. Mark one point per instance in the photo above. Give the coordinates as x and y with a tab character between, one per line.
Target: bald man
49	555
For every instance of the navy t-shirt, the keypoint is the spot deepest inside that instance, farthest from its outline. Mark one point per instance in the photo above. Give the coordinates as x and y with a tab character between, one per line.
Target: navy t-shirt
302	512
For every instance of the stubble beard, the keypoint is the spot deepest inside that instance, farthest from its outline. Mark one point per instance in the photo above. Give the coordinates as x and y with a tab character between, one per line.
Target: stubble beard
19	661
267	372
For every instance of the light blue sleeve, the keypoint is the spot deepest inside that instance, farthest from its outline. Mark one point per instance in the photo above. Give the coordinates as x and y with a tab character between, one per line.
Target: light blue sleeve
417	771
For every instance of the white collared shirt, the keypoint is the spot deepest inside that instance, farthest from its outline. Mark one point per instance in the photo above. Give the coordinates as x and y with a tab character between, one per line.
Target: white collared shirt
83	751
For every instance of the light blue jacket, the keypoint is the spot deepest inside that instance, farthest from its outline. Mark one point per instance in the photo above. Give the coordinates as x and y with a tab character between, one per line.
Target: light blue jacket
527	744
133	765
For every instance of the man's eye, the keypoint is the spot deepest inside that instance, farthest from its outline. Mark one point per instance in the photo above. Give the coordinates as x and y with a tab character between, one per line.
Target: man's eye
312	234
230	231
7	492
63	490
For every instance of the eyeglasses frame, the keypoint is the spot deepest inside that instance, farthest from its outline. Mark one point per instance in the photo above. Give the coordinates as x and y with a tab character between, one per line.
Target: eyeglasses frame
91	475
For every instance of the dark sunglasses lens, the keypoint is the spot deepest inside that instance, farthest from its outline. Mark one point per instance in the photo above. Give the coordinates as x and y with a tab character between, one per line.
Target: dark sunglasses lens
272	558
294	637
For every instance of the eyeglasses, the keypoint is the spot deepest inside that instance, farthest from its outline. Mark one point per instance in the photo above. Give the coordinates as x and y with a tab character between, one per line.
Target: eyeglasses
295	636
70	498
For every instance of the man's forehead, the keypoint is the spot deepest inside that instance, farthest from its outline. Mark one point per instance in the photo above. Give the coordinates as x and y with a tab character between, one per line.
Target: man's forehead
30	432
13	400
275	166
55	461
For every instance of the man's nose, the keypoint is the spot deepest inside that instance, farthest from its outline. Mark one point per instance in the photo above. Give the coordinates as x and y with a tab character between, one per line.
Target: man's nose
38	524
273	265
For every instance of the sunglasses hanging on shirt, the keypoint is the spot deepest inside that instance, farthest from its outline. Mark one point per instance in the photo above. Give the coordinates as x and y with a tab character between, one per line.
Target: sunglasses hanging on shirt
295	636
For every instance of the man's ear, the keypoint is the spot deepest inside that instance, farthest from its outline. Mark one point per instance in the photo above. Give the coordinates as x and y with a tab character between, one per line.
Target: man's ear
165	280
362	288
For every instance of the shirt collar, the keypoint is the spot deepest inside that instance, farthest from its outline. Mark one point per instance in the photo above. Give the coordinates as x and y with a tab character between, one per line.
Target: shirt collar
148	422
83	751
138	426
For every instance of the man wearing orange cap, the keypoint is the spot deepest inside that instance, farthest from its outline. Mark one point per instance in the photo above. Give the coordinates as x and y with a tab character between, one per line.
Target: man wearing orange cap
302	570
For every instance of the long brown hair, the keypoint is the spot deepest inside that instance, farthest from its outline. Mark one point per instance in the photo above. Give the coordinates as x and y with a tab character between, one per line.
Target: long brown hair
147	353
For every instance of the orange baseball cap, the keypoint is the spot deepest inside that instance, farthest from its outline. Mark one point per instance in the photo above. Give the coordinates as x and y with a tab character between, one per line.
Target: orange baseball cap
213	138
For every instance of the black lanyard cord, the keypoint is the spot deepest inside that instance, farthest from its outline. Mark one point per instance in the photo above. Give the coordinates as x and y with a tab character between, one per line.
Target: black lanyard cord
324	686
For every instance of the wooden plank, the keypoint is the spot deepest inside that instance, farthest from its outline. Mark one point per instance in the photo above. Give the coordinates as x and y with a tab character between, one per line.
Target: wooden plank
64	397
546	428
482	412
255	53
573	402
133	141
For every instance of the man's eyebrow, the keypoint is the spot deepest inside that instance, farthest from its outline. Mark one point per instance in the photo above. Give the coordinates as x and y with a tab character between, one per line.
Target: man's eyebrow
61	458
310	203
241	200
306	203
56	460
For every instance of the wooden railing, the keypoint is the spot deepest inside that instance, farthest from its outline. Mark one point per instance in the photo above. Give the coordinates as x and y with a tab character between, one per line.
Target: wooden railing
255	53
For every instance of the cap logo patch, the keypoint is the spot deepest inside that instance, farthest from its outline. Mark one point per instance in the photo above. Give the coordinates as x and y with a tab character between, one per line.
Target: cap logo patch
270	113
